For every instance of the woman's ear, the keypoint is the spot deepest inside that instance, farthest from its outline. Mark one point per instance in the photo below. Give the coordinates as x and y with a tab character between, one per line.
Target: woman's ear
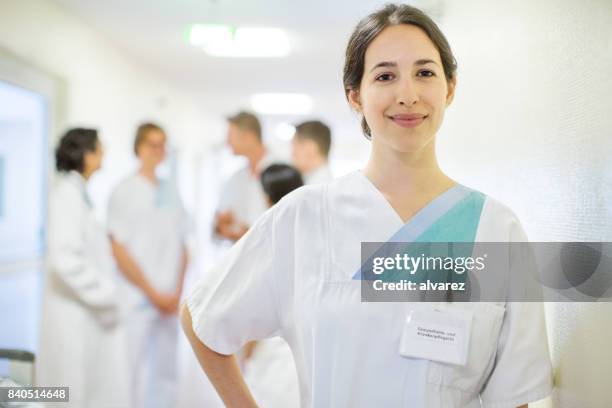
355	99
450	94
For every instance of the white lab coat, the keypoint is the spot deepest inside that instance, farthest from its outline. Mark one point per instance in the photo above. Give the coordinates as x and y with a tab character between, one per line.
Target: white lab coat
303	287
150	221
82	342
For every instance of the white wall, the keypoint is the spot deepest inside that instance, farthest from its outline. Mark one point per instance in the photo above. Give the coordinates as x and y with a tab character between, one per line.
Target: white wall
531	125
105	88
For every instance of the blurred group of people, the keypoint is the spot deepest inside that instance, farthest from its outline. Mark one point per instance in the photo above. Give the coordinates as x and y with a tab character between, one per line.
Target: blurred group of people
246	194
109	326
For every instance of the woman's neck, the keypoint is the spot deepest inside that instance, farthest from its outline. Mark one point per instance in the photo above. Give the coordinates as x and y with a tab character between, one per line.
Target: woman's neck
394	172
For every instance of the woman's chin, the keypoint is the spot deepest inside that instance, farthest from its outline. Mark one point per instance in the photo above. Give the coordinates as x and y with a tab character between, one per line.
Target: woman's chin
408	146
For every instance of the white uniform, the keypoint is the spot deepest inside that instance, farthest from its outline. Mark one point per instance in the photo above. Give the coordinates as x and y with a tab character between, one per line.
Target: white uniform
243	193
303	287
149	220
320	175
270	372
82	343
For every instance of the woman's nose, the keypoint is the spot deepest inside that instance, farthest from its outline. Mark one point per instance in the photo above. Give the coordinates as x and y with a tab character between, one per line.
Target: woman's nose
407	94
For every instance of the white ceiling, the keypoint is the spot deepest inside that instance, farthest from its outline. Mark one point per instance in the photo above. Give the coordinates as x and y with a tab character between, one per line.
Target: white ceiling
152	32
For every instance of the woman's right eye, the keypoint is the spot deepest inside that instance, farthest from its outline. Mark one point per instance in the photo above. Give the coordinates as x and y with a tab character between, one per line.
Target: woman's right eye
384	77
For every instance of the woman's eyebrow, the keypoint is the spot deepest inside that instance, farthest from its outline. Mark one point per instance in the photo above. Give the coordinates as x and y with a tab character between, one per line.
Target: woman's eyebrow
387	64
392	64
425	61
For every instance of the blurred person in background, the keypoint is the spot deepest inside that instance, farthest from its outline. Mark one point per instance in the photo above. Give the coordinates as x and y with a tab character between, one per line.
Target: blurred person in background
278	180
82	344
148	224
242	199
310	151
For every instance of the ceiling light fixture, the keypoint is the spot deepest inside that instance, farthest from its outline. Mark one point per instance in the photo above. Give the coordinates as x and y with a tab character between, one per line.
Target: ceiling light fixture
220	40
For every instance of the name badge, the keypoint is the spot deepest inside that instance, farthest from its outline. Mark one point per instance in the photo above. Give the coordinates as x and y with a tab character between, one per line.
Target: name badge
439	334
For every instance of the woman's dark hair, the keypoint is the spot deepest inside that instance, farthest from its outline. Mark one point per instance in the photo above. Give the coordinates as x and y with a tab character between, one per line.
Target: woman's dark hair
374	24
278	180
70	152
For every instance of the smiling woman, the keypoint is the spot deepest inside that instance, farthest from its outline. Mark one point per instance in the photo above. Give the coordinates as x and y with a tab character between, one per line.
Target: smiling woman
423	26
400	76
408	92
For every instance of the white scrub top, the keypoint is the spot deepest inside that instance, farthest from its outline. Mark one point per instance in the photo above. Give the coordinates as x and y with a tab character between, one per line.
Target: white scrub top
293	274
320	175
243	193
150	221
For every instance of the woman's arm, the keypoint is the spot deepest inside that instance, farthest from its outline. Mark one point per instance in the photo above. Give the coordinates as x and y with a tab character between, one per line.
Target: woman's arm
222	370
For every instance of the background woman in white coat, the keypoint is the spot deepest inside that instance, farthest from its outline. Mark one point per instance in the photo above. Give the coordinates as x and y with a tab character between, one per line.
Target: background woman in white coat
81	340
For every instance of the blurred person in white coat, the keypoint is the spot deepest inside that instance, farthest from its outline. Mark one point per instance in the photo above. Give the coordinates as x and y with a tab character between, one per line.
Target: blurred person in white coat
148	224
82	344
310	151
242	198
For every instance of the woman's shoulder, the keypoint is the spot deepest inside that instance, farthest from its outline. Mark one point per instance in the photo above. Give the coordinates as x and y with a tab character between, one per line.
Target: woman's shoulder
66	194
498	209
304	200
488	203
498	221
312	198
66	185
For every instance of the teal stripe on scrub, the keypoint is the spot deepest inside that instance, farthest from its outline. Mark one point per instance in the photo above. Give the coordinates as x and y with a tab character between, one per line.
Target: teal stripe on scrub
453	216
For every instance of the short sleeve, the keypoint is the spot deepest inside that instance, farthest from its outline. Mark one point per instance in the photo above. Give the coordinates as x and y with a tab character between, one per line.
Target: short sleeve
242	304
522	372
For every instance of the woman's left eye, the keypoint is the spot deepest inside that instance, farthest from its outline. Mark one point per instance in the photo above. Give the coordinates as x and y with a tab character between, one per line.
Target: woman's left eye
426	73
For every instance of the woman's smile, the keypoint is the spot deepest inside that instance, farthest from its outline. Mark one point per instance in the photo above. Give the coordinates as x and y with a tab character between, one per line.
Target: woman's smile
408	120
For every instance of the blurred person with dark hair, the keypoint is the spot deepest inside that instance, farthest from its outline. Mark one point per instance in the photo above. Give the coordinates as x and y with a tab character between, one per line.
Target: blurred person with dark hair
82	343
310	151
278	180
148	227
242	199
